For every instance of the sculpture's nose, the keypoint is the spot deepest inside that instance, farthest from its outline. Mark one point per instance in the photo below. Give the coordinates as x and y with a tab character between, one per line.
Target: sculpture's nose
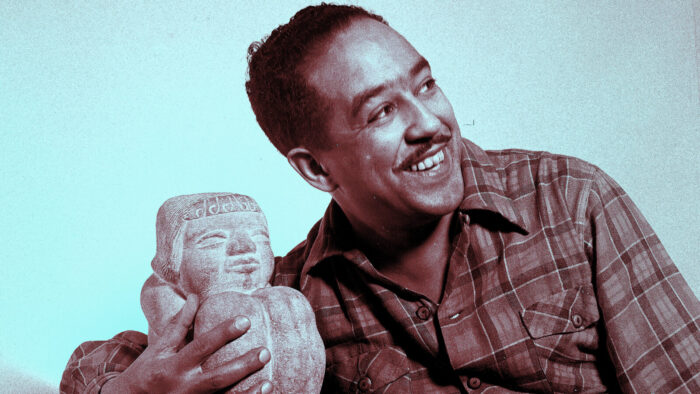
240	243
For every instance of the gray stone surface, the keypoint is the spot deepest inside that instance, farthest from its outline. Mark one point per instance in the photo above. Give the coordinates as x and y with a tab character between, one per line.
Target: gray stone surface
217	246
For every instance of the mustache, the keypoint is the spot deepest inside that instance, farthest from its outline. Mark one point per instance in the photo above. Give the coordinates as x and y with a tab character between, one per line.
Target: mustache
420	151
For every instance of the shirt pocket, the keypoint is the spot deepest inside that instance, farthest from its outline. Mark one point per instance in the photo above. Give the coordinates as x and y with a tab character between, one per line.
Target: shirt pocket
384	371
565	323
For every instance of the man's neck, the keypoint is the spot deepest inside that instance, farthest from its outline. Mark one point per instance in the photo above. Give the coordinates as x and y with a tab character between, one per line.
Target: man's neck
415	257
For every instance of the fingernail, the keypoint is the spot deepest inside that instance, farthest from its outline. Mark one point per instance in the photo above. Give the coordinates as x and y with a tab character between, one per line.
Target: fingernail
264	355
242	323
266	388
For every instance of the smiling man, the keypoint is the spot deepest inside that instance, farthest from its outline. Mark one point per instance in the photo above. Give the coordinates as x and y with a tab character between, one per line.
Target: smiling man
391	150
438	267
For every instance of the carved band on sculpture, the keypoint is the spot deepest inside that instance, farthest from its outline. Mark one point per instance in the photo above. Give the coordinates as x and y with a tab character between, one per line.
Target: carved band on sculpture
221	204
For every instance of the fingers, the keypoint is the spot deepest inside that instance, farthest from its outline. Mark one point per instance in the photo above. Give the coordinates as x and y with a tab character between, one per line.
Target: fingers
264	387
232	372
206	344
176	330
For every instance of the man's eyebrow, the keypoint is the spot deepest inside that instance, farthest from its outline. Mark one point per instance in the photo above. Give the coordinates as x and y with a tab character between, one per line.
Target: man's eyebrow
418	67
360	99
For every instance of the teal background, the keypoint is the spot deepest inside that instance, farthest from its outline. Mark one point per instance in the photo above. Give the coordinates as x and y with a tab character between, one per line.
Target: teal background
109	108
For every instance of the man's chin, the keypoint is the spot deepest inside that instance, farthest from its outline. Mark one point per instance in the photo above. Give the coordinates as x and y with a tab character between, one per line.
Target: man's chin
430	206
437	209
437	198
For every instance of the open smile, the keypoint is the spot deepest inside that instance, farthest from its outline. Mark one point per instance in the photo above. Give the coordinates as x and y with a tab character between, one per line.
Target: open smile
428	156
429	162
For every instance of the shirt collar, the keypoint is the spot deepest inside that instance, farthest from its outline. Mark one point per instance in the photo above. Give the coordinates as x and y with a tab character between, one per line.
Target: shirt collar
483	191
483	185
329	238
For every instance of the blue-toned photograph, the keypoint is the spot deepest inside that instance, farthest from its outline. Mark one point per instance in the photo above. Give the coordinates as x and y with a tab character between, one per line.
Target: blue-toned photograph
363	196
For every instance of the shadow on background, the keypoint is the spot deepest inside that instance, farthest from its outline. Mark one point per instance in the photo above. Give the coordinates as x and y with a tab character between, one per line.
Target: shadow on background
15	381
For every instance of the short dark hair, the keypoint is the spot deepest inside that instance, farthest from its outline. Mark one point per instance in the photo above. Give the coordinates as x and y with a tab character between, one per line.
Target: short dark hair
288	109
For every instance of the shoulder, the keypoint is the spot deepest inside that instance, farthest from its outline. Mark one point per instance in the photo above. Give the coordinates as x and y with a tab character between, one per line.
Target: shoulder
541	165
524	172
548	181
288	268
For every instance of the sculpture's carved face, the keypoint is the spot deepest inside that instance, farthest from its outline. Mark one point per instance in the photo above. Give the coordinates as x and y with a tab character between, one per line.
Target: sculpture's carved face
227	252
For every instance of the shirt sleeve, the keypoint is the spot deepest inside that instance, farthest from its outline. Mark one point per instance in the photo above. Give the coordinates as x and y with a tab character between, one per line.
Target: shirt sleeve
650	315
93	363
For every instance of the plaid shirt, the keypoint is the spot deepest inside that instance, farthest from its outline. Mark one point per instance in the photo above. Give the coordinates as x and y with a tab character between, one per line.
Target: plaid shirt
556	283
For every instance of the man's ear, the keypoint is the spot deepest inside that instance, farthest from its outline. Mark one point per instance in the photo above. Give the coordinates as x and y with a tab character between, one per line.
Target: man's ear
304	163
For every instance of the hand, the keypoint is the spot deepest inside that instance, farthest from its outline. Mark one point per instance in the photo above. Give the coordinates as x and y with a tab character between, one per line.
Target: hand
171	366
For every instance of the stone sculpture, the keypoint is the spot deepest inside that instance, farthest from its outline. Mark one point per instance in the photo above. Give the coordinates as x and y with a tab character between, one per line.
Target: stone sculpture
217	246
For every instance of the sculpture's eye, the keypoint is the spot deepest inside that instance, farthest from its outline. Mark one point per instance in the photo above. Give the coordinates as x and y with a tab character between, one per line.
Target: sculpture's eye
211	239
261	235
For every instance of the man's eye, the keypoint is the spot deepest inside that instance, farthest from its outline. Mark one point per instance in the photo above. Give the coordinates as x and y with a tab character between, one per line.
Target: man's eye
384	111
428	85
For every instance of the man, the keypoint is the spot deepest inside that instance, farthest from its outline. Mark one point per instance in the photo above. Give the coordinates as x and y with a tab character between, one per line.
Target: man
437	267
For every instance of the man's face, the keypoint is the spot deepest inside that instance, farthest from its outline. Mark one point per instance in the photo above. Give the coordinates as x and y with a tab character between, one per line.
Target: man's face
226	252
393	139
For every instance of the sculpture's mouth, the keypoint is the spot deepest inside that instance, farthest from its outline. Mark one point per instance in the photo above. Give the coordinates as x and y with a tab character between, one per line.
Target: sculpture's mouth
244	265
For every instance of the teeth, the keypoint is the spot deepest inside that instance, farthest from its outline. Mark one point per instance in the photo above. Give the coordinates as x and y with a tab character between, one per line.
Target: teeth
429	162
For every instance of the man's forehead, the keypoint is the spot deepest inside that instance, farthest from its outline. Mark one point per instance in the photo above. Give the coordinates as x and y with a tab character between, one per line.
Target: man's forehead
365	53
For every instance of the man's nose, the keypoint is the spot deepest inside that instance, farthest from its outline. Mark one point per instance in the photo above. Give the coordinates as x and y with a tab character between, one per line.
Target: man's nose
240	243
423	123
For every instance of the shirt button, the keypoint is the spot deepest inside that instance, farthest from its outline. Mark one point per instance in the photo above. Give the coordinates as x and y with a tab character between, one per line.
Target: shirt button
364	384
577	320
423	313
474	383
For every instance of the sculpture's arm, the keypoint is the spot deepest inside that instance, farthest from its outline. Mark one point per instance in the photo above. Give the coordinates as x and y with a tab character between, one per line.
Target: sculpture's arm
299	356
160	301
